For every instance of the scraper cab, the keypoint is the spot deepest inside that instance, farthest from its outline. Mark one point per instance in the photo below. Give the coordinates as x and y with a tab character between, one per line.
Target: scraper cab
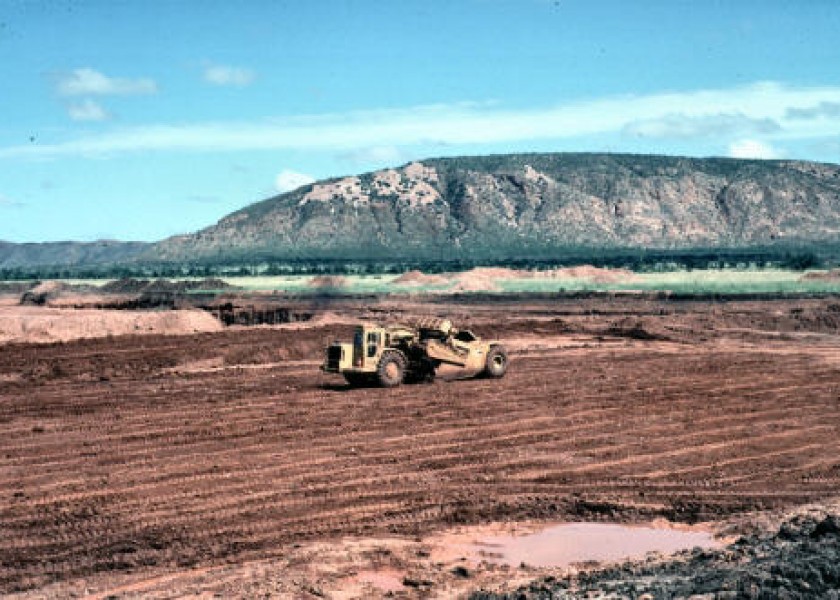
391	355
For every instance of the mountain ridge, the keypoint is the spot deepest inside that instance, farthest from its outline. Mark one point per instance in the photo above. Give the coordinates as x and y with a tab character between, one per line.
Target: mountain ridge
500	207
68	253
532	206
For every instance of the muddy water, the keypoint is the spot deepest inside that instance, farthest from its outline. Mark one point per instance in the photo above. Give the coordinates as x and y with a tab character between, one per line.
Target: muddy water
567	544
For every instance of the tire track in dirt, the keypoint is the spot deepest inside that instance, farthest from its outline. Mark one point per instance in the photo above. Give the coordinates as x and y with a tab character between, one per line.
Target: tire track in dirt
165	470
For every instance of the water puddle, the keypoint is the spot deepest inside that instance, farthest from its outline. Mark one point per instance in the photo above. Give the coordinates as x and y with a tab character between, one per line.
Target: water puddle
573	543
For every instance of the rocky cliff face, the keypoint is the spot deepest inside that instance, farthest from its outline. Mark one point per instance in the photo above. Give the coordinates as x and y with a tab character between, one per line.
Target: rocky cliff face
532	206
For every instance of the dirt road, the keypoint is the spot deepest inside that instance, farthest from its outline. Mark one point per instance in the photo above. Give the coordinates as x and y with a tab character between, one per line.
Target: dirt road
130	458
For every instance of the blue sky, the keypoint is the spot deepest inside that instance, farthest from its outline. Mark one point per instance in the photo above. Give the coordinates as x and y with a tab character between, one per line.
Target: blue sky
138	120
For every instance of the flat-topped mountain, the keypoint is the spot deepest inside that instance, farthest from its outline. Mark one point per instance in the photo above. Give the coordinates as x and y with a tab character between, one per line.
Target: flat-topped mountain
531	206
505	207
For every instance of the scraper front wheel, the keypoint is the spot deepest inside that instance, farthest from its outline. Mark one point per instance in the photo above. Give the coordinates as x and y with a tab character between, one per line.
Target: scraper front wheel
391	369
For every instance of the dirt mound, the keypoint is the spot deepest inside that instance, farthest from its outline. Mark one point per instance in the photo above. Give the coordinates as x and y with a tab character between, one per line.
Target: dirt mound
210	284
498	273
43	325
830	275
126	285
420	278
475	285
130	285
328	281
594	274
490	278
479	280
43	292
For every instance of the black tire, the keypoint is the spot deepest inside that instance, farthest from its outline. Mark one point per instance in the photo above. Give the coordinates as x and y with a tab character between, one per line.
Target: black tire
357	379
391	369
496	362
422	372
429	375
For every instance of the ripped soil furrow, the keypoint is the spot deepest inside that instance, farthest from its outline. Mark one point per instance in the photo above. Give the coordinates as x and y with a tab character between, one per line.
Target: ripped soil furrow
154	470
427	447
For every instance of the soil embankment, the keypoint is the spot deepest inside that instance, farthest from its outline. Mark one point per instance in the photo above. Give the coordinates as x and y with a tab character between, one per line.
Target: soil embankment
26	324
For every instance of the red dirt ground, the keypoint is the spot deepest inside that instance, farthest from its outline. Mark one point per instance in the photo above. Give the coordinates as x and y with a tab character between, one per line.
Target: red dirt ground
133	458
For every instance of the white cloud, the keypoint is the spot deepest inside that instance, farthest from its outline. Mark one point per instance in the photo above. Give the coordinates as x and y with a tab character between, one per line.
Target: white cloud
87	110
227	75
288	180
374	154
752	149
89	82
763	105
822	110
679	126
